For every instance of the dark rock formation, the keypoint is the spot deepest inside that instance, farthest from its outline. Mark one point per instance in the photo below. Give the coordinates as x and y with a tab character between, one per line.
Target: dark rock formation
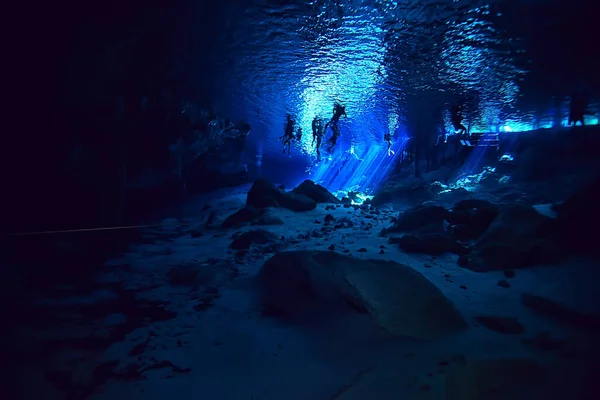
471	218
417	218
264	194
255	236
429	243
578	216
561	313
409	192
519	237
507	325
251	216
302	284
316	192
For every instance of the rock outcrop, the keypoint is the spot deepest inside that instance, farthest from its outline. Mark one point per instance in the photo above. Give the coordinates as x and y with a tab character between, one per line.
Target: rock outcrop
518	237
400	300
255	236
471	218
561	313
316	192
417	218
264	194
578	216
251	216
425	233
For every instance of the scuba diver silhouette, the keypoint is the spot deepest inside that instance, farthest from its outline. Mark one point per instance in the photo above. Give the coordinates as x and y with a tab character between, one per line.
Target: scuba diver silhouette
288	134
456	119
579	103
388	139
317	133
338	111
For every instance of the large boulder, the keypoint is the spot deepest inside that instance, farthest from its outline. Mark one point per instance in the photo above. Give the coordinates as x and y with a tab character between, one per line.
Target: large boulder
406	191
471	218
562	313
255	236
432	243
399	299
316	192
417	218
251	216
265	194
518	237
578	216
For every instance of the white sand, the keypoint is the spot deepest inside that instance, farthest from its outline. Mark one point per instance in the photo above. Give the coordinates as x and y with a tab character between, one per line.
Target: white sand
235	353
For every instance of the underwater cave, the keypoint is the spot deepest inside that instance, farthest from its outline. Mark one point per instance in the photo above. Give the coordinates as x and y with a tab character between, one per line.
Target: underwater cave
324	199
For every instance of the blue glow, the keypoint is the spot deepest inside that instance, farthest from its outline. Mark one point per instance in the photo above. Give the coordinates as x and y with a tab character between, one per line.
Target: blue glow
365	171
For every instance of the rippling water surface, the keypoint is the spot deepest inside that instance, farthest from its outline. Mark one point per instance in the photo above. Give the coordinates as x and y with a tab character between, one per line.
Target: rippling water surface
393	64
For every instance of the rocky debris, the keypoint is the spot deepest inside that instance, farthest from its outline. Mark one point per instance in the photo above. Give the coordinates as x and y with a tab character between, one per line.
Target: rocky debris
561	313
578	216
507	378
329	218
244	240
264	194
519	237
251	216
507	325
429	243
315	192
304	284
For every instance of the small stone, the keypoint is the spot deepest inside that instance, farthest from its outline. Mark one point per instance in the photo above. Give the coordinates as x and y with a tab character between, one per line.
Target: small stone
332	247
427	266
329	218
362	250
503	283
463	287
381	251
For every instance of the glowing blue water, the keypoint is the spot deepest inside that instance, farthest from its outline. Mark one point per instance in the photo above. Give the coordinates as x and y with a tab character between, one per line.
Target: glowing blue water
393	64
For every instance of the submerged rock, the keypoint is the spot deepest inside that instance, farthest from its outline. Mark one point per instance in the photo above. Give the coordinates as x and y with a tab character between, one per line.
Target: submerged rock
400	300
251	216
316	192
264	194
561	313
506	325
405	192
416	218
471	218
429	243
578	216
255	236
519	237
